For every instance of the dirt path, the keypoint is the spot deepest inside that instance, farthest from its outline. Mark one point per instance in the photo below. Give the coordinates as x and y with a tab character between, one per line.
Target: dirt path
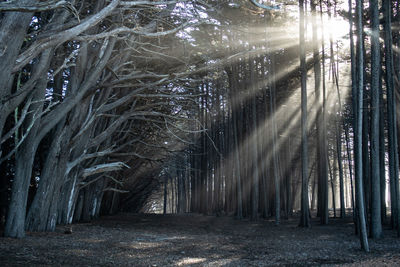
196	240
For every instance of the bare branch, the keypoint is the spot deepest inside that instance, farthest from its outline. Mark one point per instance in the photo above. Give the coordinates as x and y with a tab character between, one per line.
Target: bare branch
38	7
112	178
115	190
37	47
148	3
71	165
19	123
124	30
106	167
83	184
66	61
36	116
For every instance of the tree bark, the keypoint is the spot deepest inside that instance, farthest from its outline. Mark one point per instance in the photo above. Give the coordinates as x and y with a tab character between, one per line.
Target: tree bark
341	178
15	225
272	103
321	157
376	221
358	128
392	120
13	28
304	219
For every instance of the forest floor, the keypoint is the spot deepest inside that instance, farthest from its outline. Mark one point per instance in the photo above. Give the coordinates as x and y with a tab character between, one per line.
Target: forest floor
196	240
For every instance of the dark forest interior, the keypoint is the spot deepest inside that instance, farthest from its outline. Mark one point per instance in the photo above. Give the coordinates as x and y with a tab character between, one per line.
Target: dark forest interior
246	115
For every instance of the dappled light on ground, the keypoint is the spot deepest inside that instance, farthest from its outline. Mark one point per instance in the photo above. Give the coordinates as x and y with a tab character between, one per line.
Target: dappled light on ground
188	261
197	240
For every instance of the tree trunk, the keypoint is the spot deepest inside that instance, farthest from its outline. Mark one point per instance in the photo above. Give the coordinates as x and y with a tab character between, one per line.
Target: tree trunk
376	221
359	128
42	213
392	121
165	194
320	124
254	144
15	225
13	28
305	219
332	174
340	163
382	153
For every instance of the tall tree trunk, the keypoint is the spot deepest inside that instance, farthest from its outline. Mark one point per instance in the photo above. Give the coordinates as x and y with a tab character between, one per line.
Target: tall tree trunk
272	103
338	124
239	211
358	128
320	124
382	153
304	219
254	145
237	194
376	222
392	121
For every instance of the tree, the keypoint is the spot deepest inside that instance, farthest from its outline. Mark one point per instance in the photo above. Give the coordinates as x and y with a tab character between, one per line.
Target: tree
376	222
358	127
74	102
275	157
304	220
392	121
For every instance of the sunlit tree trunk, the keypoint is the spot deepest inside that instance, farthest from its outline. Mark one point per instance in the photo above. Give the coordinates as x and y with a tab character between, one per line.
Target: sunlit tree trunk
366	145
304	219
239	211
219	143
203	164
265	184
321	156
236	183
272	105
338	124
254	145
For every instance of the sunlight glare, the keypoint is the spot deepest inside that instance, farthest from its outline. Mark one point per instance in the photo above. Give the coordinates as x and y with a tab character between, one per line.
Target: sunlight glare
337	27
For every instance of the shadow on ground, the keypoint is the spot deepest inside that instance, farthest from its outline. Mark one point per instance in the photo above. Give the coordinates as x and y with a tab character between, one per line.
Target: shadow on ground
196	240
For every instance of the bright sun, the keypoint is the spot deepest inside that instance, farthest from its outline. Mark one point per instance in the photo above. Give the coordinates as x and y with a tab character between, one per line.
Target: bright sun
335	27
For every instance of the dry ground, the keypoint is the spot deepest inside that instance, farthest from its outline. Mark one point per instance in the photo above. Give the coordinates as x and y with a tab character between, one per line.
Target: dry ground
197	240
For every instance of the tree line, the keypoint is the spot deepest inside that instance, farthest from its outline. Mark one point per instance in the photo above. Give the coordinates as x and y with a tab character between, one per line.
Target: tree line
260	157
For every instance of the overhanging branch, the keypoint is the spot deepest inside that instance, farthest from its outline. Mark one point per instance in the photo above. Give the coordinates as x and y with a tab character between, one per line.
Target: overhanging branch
107	167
